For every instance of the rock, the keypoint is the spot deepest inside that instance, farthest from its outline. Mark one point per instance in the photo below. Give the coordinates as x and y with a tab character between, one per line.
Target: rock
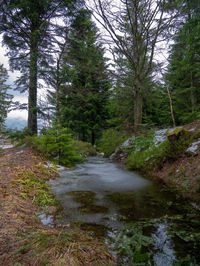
119	153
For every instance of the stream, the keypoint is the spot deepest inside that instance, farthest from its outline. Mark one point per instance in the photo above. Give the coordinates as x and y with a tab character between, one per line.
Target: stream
142	223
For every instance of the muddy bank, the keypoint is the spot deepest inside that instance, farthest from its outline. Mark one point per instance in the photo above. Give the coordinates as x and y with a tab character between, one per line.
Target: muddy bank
24	195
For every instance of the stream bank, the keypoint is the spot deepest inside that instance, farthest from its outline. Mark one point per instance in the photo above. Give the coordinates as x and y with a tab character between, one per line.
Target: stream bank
168	156
24	197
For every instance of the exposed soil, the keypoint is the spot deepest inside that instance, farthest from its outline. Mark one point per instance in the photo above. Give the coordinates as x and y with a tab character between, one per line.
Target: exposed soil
182	174
23	239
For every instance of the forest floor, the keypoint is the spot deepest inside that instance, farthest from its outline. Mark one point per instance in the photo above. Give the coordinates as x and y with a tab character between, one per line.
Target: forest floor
24	240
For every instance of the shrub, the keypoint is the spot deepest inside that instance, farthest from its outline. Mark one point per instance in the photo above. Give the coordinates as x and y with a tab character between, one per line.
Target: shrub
19	135
140	159
85	148
110	140
57	145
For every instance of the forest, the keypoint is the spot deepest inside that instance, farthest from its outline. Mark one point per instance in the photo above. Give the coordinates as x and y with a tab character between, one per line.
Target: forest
109	83
103	68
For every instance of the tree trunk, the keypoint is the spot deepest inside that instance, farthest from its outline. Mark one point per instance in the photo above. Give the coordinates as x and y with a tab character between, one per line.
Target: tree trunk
171	107
137	110
32	99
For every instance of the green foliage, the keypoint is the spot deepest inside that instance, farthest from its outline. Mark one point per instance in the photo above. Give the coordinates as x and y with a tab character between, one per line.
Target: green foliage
134	244
153	155
144	141
183	72
57	145
35	187
140	159
110	140
29	30
85	148
19	135
83	102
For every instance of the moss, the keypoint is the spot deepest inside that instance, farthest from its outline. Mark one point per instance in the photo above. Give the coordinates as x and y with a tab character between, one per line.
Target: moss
179	141
176	131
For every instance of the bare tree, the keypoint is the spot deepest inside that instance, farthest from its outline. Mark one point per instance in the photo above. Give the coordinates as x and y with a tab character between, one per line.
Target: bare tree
137	28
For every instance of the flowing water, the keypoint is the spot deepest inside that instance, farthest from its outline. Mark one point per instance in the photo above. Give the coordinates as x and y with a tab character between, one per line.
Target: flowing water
128	211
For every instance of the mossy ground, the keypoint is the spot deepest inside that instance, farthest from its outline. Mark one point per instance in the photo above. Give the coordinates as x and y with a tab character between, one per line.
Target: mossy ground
23	239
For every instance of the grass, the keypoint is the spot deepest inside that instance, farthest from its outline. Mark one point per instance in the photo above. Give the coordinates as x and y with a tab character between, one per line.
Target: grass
31	185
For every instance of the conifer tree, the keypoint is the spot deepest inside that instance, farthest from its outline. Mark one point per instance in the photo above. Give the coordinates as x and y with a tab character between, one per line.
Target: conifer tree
29	29
85	96
183	72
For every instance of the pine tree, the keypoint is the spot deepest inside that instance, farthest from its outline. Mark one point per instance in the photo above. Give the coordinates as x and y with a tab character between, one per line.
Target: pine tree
85	97
5	98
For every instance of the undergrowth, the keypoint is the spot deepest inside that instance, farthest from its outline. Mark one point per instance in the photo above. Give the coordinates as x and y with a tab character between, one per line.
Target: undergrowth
84	148
110	140
57	145
153	156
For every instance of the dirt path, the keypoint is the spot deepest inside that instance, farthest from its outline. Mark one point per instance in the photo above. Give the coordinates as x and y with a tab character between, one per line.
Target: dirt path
23	239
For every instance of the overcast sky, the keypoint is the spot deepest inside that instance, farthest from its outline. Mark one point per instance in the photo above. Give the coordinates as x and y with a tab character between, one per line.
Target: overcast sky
22	98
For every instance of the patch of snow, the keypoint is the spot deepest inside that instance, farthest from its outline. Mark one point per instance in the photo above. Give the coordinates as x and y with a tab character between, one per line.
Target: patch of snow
194	147
195	206
6	146
19	152
164	252
46	219
159	136
60	167
127	142
192	129
49	165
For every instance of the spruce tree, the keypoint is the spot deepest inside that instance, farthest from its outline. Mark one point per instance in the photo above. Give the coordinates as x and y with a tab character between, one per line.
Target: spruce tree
85	96
29	29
